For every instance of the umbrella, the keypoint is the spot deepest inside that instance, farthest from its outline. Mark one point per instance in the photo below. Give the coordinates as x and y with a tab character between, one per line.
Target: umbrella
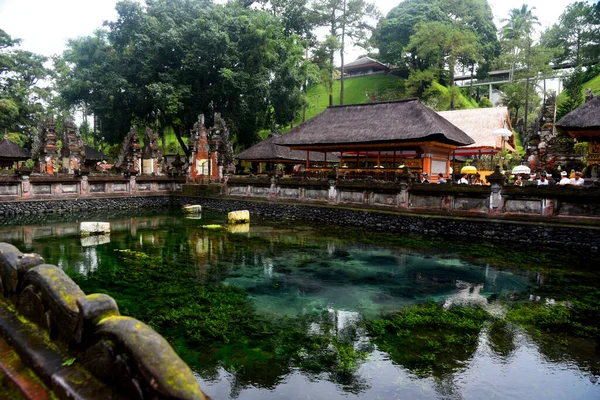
521	169
503	132
468	169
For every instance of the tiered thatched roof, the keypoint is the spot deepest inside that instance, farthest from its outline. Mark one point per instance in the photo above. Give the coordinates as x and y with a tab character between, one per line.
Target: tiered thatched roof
479	124
12	152
268	151
92	154
394	122
582	121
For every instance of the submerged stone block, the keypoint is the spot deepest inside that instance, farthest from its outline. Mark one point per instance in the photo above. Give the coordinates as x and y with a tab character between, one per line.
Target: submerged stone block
238	217
94	228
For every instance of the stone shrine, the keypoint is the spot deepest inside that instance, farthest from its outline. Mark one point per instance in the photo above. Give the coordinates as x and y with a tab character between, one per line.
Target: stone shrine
72	152
130	157
151	154
45	148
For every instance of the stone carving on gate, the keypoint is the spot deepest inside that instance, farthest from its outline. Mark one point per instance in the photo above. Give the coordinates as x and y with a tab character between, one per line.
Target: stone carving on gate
73	154
44	147
129	161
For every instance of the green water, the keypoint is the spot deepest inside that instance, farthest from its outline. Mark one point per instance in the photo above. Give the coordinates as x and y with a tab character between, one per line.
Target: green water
280	309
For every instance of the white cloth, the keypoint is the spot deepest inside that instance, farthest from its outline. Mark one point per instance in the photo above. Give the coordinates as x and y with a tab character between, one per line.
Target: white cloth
540	182
577	182
463	181
564	181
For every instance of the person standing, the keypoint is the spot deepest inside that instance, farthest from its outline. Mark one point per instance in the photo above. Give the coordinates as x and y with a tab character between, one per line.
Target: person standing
578	179
477	180
463	180
542	181
564	179
441	178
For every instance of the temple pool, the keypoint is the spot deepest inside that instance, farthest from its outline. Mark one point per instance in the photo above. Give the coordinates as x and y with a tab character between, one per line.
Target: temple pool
285	310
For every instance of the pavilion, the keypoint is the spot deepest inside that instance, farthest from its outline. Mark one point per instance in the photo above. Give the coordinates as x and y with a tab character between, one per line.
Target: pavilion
364	66
267	151
583	124
376	137
480	124
11	153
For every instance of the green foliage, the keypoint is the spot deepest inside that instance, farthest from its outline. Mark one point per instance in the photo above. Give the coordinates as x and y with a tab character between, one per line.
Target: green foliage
573	96
21	91
428	339
440	98
395	30
419	82
485	103
575	36
170	61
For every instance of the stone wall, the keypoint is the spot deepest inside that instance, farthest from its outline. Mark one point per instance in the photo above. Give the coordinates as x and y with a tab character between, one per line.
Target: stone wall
481	229
106	205
529	201
67	186
126	355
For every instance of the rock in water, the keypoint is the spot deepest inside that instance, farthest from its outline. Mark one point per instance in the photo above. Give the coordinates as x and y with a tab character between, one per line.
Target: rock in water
238	217
94	228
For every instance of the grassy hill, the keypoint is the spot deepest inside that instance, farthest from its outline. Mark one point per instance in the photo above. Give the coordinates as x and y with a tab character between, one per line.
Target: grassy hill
357	91
593	84
372	88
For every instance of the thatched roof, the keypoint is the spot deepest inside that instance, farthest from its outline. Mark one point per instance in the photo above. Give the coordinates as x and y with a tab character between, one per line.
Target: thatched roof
480	123
11	151
401	121
584	117
365	62
93	154
268	151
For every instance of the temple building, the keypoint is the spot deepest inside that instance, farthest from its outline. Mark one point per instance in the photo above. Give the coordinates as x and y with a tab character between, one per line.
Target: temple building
364	66
379	136
268	152
583	124
11	153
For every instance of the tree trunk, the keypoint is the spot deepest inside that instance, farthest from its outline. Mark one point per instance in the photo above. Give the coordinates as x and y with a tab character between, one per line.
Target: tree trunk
342	54
179	132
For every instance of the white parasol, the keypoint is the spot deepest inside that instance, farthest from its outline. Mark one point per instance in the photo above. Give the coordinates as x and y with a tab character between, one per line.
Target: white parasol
521	169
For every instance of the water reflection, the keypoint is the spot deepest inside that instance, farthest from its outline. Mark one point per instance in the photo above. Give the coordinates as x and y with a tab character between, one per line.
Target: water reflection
319	294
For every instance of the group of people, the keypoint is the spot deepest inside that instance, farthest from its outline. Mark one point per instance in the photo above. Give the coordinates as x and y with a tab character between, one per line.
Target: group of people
424	178
576	179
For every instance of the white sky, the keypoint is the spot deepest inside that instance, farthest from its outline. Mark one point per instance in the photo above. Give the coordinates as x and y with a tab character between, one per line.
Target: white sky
45	25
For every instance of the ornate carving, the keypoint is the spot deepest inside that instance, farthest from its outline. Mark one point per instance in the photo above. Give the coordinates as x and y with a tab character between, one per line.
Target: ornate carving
130	157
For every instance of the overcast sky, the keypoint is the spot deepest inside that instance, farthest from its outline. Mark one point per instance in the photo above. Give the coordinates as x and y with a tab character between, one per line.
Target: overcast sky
45	25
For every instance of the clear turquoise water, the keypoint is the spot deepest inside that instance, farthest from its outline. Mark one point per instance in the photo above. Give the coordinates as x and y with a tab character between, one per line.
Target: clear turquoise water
289	270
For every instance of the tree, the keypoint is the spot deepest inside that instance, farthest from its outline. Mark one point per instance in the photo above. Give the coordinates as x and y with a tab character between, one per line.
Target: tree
573	92
528	62
169	61
346	19
442	44
393	33
23	96
576	35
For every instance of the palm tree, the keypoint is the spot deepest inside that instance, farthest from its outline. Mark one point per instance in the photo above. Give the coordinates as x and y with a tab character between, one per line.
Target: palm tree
518	27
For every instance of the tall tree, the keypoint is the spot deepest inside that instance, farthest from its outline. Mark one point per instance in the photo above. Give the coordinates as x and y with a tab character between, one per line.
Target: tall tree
445	45
528	62
170	61
345	19
576	35
24	95
393	33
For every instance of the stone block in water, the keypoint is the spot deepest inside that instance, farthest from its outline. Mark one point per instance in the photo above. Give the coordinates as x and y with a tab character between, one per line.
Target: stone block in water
94	228
238	217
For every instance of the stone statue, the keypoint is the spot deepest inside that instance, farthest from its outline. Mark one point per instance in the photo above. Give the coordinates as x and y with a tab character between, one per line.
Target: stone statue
130	157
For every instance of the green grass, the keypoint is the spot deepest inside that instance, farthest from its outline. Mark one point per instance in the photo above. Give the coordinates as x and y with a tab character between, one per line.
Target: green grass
357	91
593	84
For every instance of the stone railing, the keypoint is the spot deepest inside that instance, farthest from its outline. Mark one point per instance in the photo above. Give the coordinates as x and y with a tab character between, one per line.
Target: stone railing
26	186
495	199
121	352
